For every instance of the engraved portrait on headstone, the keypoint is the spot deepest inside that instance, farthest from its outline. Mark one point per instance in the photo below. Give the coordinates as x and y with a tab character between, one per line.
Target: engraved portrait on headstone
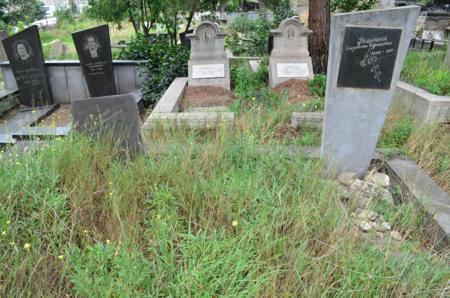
24	52
94	51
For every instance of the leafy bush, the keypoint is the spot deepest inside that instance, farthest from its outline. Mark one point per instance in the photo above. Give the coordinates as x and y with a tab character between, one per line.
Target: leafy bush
318	85
427	70
249	37
165	63
281	12
351	5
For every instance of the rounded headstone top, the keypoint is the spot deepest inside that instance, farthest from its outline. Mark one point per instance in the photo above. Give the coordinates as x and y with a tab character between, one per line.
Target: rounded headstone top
291	28
206	31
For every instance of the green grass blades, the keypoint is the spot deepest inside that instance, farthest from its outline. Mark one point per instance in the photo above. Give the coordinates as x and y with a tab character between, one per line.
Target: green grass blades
219	220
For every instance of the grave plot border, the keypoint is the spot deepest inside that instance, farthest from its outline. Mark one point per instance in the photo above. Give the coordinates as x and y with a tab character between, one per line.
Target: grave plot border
167	112
425	107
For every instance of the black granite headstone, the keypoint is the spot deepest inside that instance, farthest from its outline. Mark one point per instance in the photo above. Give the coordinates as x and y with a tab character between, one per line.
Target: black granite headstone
94	51
368	57
115	116
24	52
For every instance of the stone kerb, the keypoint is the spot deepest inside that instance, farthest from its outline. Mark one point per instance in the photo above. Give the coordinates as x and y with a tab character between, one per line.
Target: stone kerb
290	58
425	108
166	112
208	64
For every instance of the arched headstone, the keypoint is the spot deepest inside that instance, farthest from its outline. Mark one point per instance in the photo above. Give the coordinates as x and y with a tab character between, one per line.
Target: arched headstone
208	64
289	58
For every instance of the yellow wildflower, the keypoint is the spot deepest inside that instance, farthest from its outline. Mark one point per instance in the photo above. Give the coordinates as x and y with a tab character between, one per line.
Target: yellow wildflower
234	223
61	257
108	241
27	246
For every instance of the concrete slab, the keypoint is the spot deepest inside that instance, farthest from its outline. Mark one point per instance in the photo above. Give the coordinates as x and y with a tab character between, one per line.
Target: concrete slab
307	119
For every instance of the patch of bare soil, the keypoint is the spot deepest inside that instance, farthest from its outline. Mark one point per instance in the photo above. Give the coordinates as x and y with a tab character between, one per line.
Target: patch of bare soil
60	118
205	97
298	90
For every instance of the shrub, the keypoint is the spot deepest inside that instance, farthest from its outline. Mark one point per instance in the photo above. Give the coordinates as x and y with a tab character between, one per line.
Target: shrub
396	133
281	12
165	63
318	85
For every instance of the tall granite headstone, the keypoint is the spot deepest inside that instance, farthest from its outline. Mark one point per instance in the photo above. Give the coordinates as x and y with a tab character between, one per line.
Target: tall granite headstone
94	51
24	51
366	54
289	58
208	64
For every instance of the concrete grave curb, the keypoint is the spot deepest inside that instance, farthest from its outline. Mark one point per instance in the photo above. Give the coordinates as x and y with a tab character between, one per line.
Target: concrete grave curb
166	112
425	108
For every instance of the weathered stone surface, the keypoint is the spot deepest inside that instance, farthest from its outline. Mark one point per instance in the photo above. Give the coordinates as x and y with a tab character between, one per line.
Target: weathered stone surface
383	227
57	49
447	57
365	226
385	195
380	179
396	235
354	116
8	99
347	178
254	65
307	119
424	190
208	64
289	58
115	116
24	51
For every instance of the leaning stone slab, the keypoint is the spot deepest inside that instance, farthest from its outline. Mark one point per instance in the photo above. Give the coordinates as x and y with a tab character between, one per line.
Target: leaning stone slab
425	108
425	191
170	101
366	54
307	119
115	116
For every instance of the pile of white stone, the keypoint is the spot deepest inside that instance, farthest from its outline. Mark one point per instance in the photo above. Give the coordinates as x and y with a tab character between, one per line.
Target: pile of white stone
374	187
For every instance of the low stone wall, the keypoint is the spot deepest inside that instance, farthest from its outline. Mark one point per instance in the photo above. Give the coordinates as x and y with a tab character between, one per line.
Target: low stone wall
67	80
425	108
166	112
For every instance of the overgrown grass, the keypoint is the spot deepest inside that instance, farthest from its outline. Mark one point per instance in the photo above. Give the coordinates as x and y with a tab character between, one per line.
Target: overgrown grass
428	71
220	221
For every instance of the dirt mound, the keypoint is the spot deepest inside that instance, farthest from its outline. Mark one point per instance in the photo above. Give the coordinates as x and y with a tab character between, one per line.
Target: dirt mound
206	96
298	90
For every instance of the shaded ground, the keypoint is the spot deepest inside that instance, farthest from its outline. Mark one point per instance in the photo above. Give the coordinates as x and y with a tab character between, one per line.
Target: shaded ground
205	96
10	114
298	90
59	118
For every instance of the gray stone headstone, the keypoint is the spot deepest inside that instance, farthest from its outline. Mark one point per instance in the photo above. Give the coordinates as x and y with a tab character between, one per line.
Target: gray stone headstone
447	57
94	51
115	116
289	58
57	49
366	54
3	35
24	51
208	64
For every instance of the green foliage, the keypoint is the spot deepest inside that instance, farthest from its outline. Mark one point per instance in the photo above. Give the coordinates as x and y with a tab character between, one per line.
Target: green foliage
318	85
426	70
314	105
255	36
224	221
282	11
165	63
27	11
351	5
396	133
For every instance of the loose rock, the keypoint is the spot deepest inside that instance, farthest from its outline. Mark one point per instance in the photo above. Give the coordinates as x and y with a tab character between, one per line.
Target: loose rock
380	179
383	227
385	195
368	215
396	235
365	226
347	178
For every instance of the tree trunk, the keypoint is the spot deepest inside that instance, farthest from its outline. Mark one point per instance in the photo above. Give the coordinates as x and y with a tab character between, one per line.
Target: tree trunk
319	23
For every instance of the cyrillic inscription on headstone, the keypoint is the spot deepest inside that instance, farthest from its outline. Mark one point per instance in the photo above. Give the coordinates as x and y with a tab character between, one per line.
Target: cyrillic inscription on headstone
368	57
